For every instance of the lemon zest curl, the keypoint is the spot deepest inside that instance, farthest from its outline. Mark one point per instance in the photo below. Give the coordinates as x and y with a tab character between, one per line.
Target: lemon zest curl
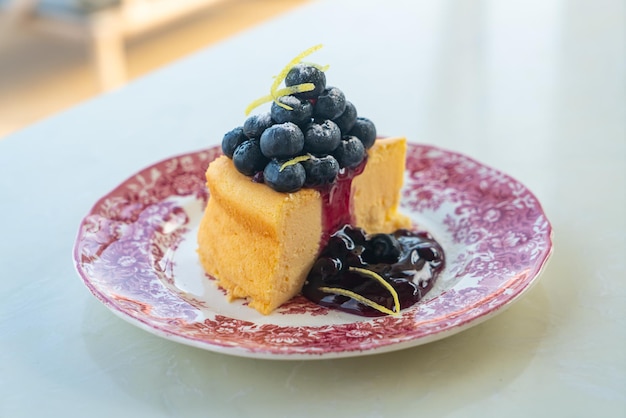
363	299
358	298
276	93
294	160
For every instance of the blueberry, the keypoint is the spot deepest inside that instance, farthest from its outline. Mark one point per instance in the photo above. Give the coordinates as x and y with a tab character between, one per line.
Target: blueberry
300	113
248	158
328	268
356	235
283	140
289	179
365	130
232	140
321	137
350	152
254	126
320	171
301	74
330	104
346	120
382	248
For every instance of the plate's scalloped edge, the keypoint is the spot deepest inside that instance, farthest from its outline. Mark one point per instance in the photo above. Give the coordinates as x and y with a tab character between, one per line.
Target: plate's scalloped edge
311	352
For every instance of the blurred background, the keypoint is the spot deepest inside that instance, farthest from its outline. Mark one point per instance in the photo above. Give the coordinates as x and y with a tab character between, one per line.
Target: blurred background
57	53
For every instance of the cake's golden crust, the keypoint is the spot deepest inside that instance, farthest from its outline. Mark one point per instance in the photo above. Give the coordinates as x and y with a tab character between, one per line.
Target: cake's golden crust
376	191
260	244
256	242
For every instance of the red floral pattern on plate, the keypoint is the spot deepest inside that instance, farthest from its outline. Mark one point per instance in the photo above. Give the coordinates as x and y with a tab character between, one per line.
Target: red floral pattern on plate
495	234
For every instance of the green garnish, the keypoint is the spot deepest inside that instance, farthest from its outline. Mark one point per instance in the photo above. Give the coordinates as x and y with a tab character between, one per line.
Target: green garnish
276	93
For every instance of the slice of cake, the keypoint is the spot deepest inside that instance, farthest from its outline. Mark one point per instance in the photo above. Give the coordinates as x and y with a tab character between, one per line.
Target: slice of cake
260	244
289	179
376	191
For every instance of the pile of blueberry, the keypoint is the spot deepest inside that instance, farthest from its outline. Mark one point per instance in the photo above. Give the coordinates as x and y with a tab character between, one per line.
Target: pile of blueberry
305	139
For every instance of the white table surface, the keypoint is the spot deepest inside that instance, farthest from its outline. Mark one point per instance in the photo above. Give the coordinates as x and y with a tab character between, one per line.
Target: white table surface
534	88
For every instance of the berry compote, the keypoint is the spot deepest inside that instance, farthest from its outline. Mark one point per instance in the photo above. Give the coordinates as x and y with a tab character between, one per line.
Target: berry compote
366	266
337	200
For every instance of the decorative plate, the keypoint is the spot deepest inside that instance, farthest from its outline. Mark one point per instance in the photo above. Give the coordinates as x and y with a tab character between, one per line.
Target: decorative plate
135	251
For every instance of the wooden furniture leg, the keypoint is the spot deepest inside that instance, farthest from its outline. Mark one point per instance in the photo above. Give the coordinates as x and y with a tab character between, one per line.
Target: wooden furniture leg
108	48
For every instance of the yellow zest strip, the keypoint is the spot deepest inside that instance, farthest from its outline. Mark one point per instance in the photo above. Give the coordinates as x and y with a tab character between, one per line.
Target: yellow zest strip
322	68
294	160
379	278
281	76
258	102
358	298
299	88
275	93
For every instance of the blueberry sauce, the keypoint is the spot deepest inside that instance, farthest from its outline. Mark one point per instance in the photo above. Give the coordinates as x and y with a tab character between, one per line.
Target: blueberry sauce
408	261
337	201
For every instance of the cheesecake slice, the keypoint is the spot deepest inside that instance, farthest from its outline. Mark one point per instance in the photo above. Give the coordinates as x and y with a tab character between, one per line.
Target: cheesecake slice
260	244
